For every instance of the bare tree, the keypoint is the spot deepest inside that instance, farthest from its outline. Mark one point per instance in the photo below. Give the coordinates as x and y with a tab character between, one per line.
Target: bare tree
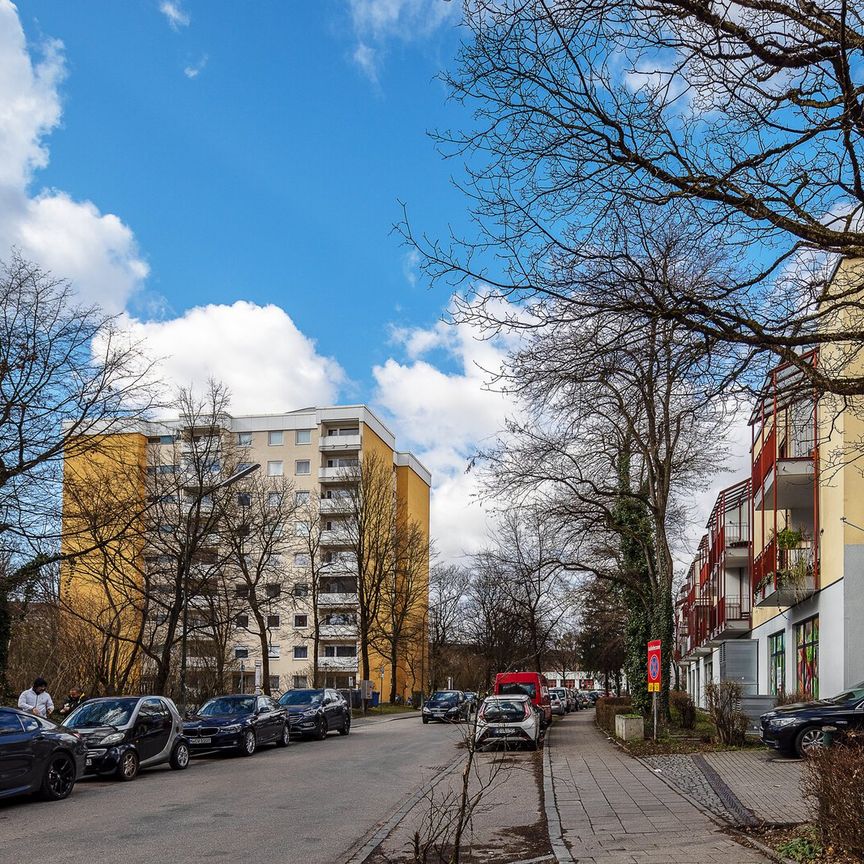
733	130
309	516
448	587
403	595
258	531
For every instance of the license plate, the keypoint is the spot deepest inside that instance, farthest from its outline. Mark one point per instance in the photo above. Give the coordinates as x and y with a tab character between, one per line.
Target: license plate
89	763
199	740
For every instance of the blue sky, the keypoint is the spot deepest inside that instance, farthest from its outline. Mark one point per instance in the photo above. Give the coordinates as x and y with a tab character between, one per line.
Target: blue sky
224	177
273	174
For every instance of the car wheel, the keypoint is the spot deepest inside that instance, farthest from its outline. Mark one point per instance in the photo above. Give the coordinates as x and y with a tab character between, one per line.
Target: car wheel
346	725
425	720
322	730
128	768
284	738
59	778
808	740
180	756
249	744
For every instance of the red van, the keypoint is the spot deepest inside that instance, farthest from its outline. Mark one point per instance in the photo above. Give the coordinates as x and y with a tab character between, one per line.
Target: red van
531	684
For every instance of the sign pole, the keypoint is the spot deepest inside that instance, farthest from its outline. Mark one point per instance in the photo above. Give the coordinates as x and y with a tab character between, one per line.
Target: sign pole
654	700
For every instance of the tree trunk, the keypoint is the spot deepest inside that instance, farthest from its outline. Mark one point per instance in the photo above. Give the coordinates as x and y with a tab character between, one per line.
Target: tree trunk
393	658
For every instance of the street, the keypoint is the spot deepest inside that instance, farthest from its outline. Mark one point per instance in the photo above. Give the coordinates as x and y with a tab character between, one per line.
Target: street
312	802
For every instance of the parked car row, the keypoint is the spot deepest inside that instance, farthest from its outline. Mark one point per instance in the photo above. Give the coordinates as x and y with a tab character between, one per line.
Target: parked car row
118	736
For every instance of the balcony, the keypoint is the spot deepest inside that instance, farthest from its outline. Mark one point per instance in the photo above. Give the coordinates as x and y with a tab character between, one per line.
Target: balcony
334	599
341	664
338	474
338	631
784	577
733	619
336	505
335	537
337	443
791	481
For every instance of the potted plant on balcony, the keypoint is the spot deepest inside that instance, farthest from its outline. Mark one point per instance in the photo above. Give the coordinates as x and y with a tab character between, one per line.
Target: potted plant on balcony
798	569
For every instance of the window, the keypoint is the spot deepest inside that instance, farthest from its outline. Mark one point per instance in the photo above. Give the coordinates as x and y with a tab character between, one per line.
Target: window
301	652
807	657
274	499
9	723
244	439
303	436
274	682
299	682
301	497
302	466
301	529
340	650
273	589
302	559
275	439
301	621
274	469
241	590
244	466
777	664
241	653
241	620
244	499
301	589
273	652
273	620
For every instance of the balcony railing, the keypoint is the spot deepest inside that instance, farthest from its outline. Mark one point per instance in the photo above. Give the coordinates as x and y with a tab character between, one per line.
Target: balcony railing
345	664
340	442
338	631
336	599
784	577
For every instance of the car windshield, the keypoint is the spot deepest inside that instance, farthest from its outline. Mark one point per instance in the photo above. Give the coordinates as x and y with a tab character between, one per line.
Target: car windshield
853	694
105	712
302	697
517	688
228	706
444	696
504	711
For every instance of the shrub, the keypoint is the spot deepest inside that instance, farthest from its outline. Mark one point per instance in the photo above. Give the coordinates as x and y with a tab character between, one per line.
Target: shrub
724	707
682	708
607	708
790	698
834	776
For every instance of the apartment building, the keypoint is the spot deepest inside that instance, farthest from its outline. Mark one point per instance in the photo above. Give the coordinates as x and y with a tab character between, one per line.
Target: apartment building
312	452
775	596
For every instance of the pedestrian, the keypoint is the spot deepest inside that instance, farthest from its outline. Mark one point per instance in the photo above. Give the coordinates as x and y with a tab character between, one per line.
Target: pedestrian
37	700
76	697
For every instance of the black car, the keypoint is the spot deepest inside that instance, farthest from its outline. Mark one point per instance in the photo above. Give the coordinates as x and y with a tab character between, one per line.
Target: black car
447	705
126	733
38	756
239	723
314	713
797	728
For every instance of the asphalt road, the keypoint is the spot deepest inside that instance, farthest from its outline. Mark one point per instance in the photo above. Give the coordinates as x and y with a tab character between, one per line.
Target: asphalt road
313	802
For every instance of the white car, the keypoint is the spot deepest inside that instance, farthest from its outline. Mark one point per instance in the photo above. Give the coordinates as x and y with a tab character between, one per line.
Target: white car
557	703
510	720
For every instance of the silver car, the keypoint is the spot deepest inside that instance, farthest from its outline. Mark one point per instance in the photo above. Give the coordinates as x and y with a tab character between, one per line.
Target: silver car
557	704
509	720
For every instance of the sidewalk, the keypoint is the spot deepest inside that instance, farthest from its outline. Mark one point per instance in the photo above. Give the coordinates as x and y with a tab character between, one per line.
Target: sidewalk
615	810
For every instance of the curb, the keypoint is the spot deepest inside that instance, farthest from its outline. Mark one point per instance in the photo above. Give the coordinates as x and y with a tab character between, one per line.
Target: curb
373	720
550	805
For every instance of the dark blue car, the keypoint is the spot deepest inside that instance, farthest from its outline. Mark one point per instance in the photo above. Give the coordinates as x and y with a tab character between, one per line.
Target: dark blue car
238	723
314	713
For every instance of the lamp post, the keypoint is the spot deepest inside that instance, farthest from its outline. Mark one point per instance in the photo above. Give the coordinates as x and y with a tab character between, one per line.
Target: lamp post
186	564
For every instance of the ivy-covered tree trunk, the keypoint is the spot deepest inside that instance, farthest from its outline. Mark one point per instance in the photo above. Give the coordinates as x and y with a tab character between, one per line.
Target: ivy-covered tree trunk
5	635
634	526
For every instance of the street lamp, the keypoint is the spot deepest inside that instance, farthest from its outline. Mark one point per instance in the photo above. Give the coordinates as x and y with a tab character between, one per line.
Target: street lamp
203	493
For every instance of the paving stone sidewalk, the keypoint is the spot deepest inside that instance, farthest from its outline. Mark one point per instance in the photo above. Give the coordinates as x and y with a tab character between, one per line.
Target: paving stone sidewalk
615	810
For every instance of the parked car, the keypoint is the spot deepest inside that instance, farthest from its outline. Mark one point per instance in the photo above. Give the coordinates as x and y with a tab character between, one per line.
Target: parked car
447	705
239	723
508	720
797	728
530	684
126	733
314	713
557	704
38	756
564	696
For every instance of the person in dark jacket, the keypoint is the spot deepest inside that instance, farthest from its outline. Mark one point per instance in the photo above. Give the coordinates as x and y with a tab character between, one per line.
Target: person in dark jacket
76	697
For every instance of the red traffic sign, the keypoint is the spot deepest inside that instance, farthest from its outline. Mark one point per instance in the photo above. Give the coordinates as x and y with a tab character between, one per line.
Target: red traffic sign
654	667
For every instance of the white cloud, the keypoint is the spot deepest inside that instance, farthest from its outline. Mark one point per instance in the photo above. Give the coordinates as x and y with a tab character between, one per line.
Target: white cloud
378	22
175	13
193	70
444	417
71	238
268	364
